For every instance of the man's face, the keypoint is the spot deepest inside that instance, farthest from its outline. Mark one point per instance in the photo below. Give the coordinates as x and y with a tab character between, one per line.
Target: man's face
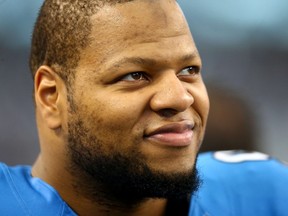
138	96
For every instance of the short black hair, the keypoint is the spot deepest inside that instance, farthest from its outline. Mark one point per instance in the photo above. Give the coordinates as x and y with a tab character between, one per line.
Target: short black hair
61	31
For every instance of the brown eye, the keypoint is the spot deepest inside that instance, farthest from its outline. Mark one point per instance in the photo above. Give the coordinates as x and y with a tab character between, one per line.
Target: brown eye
135	76
191	70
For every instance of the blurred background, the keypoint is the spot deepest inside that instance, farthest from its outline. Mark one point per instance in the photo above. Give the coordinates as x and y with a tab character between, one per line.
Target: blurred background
244	48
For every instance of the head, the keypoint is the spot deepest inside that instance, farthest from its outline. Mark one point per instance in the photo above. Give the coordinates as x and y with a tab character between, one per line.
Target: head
120	101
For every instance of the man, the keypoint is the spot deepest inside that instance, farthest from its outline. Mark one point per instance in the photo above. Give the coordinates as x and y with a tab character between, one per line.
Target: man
121	110
121	107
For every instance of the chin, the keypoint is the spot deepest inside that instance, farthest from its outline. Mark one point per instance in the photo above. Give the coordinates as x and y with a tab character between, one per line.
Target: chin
174	164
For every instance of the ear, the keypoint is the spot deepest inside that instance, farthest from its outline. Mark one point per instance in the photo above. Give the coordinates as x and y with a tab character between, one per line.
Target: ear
48	91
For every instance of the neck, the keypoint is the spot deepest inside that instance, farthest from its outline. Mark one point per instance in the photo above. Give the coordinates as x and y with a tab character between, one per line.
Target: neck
83	206
93	199
85	202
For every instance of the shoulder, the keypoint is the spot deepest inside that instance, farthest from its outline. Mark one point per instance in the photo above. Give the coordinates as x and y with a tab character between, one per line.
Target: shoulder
241	183
22	194
227	165
9	197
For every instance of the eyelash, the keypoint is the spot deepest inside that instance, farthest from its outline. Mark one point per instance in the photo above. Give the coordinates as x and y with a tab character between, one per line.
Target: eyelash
193	70
142	75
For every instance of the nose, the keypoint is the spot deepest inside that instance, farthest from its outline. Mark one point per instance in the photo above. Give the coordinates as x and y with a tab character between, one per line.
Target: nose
171	96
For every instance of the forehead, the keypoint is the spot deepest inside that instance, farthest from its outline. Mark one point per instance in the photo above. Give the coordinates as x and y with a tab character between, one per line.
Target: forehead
138	17
140	14
136	26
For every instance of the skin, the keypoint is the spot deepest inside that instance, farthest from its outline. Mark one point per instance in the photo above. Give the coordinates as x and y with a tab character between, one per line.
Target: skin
121	108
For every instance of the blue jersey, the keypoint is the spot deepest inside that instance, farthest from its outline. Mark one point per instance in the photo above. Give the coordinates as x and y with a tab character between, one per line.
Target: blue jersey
241	183
234	184
22	194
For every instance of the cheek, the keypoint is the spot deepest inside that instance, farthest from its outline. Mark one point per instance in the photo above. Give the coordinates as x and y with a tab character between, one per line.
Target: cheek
107	127
112	115
205	104
202	104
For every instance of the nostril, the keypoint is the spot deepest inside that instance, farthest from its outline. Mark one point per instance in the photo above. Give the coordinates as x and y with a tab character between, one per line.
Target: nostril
167	113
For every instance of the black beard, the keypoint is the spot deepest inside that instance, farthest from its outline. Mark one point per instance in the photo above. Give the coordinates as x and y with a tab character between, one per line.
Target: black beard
122	179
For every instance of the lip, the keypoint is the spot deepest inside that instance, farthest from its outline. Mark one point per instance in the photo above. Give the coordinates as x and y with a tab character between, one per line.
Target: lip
174	135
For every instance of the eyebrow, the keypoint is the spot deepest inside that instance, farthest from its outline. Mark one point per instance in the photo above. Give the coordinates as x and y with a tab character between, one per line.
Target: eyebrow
152	62
190	56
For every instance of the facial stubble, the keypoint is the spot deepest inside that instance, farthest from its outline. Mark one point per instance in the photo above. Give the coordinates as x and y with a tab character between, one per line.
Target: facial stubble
121	178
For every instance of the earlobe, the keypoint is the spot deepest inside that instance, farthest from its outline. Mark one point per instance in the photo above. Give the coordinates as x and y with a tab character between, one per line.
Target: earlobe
47	96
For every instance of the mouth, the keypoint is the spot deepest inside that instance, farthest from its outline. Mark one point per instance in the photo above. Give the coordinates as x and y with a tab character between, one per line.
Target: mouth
173	135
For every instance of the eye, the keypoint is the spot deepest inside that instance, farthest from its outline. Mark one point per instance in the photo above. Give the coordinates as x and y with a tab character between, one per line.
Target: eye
135	76
191	70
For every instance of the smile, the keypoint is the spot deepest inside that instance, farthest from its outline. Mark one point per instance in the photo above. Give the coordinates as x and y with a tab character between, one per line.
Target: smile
174	135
